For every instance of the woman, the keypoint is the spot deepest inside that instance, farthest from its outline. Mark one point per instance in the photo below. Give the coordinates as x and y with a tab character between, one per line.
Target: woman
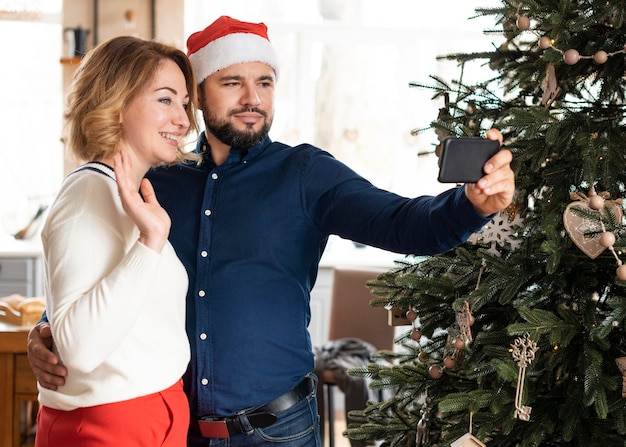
115	289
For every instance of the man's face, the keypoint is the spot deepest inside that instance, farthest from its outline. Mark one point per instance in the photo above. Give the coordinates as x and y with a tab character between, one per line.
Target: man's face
238	103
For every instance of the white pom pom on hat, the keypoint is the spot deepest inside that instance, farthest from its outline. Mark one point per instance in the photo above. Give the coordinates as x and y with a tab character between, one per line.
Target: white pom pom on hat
227	42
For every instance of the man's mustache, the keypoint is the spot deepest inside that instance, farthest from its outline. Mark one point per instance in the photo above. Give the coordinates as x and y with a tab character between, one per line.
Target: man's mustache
249	109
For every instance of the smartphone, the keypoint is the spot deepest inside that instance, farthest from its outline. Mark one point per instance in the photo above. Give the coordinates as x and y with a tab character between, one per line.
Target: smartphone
462	159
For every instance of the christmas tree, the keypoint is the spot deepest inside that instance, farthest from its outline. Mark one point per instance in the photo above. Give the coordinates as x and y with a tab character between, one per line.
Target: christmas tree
517	338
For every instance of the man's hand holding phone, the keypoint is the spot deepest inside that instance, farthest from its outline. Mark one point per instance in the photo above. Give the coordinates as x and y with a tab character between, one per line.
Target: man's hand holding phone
490	187
462	159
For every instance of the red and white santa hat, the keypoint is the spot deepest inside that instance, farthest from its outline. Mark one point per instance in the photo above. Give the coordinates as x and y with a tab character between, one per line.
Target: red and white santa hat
226	42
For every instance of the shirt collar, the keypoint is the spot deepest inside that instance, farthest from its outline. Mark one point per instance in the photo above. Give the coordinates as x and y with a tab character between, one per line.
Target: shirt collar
202	147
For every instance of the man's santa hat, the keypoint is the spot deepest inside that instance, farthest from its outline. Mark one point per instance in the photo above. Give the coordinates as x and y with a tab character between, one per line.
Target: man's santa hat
226	42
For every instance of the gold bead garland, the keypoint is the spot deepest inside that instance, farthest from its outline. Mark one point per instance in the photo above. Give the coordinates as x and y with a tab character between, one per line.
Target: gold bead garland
454	352
607	239
570	56
458	335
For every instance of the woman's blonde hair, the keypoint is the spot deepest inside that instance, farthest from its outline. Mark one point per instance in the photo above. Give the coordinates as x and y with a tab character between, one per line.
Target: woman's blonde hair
107	79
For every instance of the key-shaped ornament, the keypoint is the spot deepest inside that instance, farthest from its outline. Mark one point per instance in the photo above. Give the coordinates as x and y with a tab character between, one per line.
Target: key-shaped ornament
523	353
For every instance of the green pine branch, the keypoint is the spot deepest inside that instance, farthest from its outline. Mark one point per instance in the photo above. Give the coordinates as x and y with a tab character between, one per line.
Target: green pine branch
573	306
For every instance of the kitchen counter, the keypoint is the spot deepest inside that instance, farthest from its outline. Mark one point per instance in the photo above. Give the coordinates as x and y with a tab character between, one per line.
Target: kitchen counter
14	248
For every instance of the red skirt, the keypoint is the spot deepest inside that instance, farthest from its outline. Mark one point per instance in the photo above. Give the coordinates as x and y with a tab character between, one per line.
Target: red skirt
159	419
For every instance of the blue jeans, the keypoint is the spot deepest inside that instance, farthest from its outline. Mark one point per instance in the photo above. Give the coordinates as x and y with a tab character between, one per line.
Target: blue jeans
296	427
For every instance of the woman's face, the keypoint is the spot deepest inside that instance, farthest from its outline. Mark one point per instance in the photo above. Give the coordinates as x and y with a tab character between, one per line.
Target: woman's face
156	120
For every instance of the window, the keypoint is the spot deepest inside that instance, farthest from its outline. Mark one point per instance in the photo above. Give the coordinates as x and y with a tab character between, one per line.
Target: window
30	110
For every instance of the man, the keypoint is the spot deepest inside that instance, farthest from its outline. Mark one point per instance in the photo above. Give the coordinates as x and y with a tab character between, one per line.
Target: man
250	225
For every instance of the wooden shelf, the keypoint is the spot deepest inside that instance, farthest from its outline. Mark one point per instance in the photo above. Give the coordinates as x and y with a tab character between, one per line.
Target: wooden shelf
71	60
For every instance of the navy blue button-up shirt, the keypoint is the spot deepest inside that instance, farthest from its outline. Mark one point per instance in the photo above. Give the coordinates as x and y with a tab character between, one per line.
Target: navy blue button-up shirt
251	232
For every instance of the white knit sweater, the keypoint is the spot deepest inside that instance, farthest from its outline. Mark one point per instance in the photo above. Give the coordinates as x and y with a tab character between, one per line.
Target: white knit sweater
116	307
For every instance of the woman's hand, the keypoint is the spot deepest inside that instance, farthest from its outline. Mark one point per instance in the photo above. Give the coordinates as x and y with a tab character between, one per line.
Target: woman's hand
144	209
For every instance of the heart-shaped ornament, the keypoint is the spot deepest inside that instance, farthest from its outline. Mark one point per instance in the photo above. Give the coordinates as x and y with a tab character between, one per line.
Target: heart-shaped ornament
581	228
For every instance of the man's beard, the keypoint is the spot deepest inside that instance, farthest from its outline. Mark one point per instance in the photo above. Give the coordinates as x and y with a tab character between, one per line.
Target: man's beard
224	131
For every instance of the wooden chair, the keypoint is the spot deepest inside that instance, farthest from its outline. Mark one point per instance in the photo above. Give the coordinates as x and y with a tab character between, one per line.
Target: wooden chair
351	316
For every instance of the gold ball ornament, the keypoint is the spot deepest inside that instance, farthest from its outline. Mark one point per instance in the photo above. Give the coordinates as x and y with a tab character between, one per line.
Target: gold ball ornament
411	315
600	57
607	239
545	42
449	362
621	272
416	335
435	371
459	344
523	23
596	202
571	56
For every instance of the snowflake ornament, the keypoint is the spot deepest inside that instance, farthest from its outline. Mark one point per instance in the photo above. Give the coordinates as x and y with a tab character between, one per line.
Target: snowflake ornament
499	231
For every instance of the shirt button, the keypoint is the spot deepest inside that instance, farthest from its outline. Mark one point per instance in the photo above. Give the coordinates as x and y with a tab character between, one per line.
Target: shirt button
201	293
207	212
204	381
214	176
203	336
203	253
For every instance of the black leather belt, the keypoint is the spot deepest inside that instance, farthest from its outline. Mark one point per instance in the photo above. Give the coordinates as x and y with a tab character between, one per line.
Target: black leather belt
246	421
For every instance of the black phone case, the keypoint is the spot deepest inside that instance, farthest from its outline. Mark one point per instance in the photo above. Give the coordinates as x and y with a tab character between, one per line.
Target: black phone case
462	159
